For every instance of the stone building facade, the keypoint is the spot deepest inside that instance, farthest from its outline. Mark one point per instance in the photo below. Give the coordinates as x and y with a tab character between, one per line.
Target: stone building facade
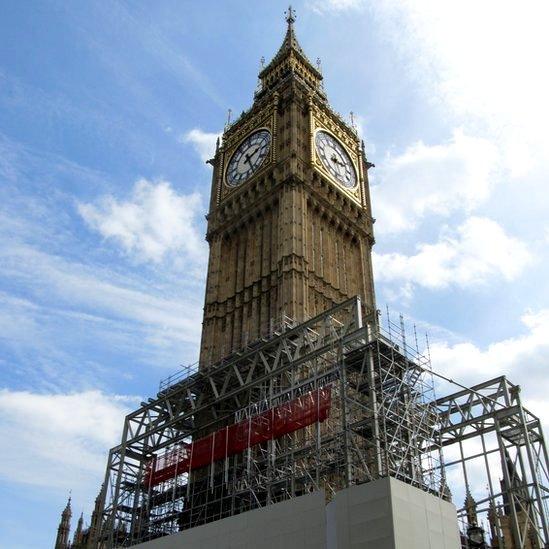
290	227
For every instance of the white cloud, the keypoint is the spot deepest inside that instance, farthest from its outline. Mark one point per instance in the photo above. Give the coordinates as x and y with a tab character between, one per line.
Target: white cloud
483	61
323	6
59	440
530	349
203	142
432	179
522	358
52	346
156	220
473	254
96	291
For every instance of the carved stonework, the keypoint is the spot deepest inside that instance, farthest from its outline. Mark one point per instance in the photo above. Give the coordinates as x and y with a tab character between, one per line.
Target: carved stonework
289	240
267	122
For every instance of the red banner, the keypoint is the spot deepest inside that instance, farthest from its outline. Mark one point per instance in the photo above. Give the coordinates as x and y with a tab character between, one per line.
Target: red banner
234	439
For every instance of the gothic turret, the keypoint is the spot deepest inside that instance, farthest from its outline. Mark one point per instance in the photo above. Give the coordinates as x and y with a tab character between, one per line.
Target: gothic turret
470	506
290	61
95	523
79	532
63	531
513	522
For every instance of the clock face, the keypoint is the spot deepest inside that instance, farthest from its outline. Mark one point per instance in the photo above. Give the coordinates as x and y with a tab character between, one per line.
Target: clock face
335	159
248	158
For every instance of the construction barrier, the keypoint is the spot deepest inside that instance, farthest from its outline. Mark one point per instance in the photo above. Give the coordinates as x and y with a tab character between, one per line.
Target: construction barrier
234	439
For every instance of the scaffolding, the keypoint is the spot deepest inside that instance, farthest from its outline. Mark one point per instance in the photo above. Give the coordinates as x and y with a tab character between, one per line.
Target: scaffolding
495	450
326	404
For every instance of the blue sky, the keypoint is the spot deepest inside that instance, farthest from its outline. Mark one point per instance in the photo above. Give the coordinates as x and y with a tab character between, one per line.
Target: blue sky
107	113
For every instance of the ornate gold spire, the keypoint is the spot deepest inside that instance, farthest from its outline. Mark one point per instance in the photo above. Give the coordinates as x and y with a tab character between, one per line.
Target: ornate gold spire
290	58
290	40
290	16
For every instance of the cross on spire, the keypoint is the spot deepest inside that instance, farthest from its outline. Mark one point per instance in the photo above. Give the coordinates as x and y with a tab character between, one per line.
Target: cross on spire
290	16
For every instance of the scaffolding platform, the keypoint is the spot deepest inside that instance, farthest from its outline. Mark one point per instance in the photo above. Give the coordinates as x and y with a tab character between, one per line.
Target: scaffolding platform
334	402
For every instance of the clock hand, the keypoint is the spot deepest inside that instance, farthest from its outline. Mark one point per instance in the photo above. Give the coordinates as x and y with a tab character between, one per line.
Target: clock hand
337	162
250	155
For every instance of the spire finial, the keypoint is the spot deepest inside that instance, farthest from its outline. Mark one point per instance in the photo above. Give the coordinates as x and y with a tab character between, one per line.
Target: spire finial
290	16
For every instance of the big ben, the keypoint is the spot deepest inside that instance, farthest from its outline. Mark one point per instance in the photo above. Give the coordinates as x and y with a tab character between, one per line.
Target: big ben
306	423
290	228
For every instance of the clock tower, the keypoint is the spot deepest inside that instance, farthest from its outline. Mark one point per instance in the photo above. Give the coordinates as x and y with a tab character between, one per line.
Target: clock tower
290	228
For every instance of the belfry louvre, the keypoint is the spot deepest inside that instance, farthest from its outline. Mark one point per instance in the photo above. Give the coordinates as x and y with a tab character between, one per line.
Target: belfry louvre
302	385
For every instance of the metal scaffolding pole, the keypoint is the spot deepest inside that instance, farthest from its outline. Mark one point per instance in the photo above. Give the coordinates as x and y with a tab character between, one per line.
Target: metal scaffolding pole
328	403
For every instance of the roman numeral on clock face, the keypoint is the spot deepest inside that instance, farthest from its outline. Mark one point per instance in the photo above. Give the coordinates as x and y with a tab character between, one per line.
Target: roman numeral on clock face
248	157
335	159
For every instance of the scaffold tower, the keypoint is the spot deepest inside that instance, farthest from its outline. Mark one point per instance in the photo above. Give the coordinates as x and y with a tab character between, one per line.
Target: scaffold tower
325	404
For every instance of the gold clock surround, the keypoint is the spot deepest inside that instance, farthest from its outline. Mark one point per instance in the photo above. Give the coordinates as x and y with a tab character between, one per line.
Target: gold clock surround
230	154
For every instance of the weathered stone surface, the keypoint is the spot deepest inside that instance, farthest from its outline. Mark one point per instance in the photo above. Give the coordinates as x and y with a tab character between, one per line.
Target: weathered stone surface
290	240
